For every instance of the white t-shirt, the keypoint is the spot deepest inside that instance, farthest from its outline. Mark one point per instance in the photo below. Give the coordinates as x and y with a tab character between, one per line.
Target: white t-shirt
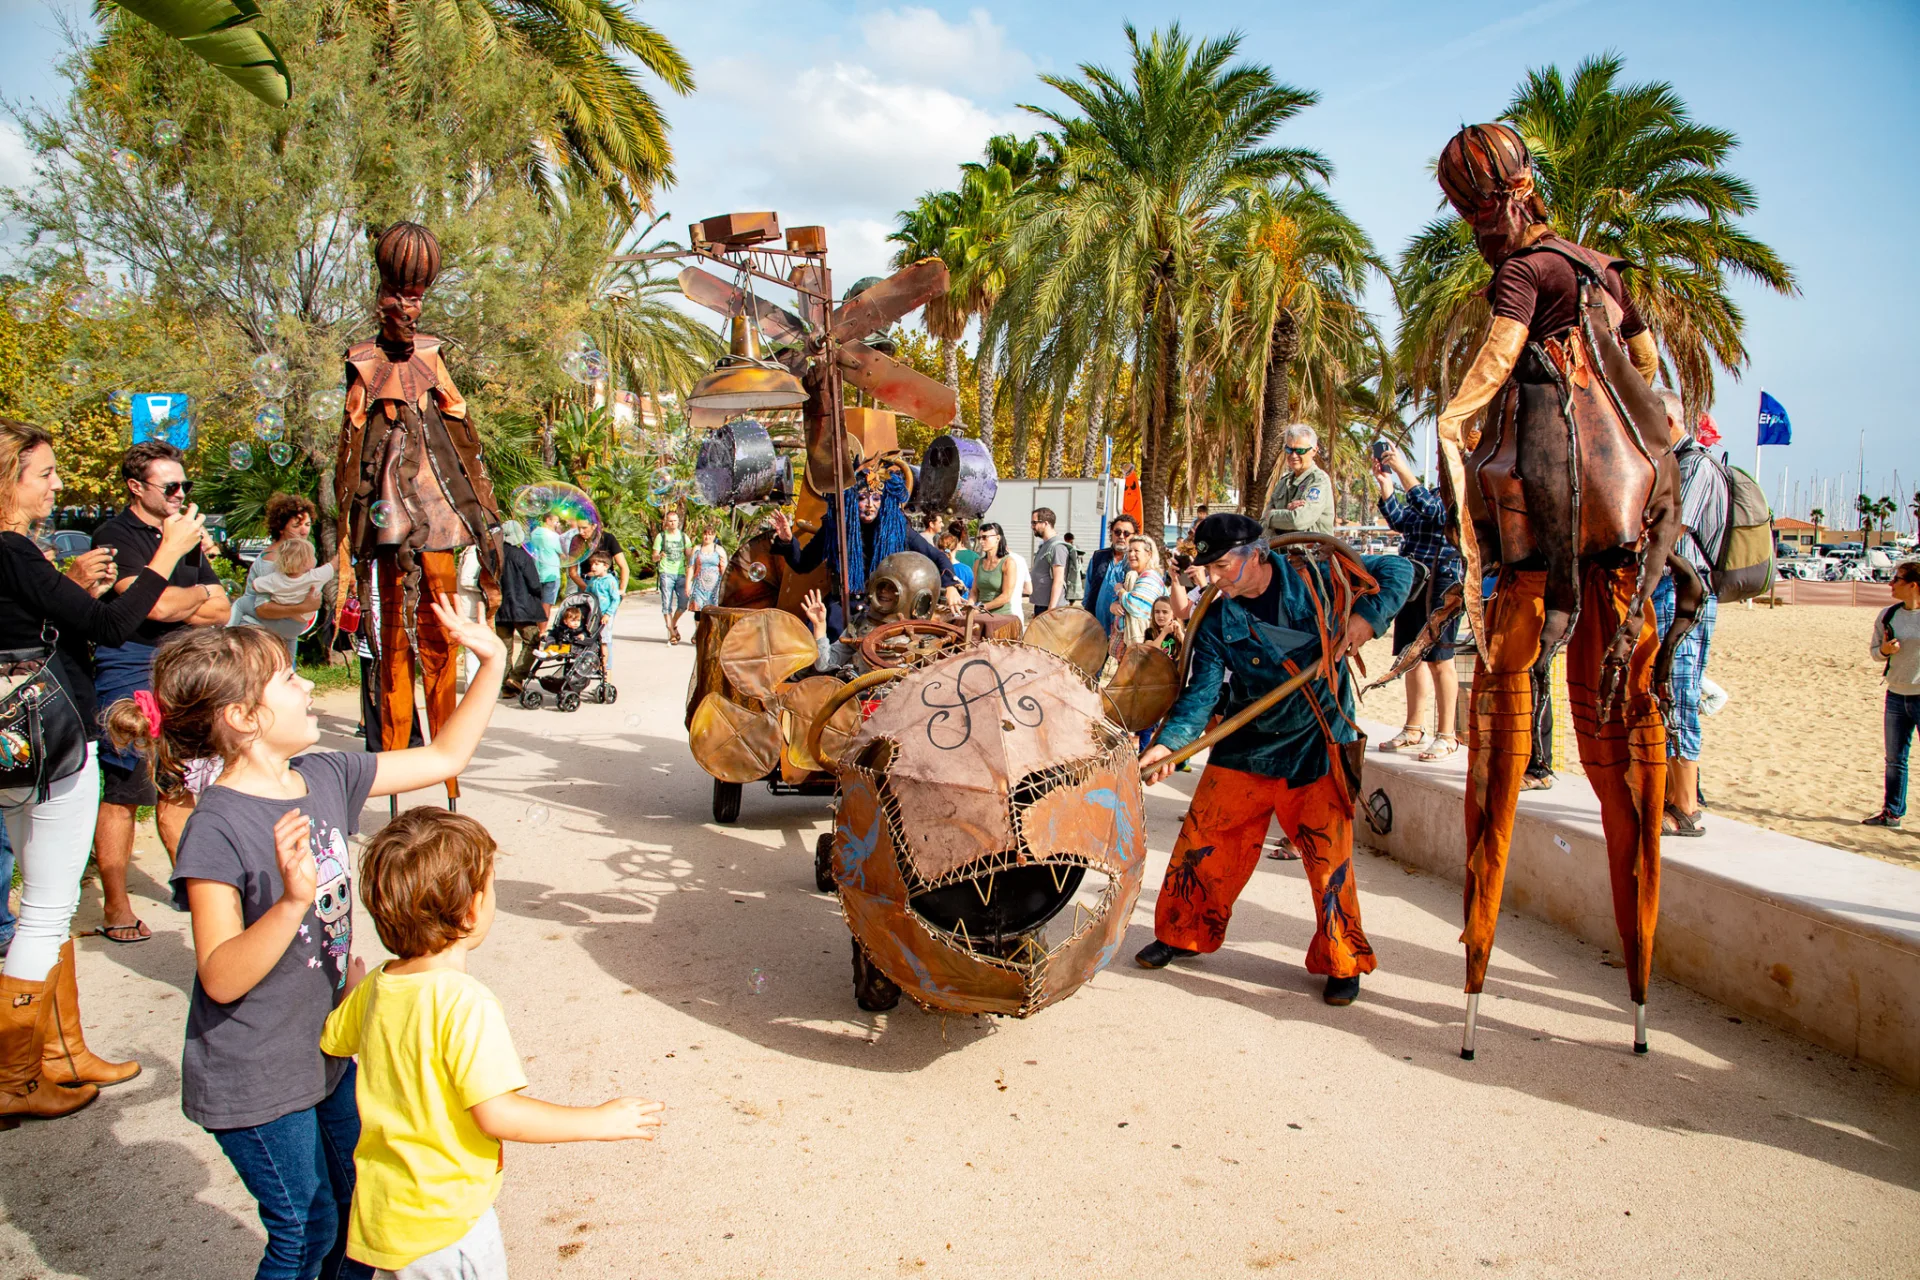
1022	586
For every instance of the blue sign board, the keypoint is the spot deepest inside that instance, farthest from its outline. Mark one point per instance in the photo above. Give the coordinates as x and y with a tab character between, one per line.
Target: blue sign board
162	417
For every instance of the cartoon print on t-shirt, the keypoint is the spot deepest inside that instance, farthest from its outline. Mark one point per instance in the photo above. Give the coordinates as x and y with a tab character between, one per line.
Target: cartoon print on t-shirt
333	903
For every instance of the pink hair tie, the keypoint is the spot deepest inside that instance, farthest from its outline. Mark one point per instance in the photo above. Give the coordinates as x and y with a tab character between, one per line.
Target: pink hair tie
150	707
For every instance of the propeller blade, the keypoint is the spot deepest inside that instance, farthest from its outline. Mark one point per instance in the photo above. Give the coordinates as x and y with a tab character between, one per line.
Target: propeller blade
892	298
896	386
712	292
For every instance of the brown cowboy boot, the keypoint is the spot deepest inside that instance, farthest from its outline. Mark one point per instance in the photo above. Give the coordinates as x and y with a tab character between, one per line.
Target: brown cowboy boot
66	1060
24	1088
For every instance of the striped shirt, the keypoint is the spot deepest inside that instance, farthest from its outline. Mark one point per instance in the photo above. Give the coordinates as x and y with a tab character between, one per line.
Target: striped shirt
1420	519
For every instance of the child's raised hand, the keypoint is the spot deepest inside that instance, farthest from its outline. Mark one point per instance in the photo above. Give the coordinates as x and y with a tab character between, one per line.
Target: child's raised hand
299	876
477	638
816	610
623	1118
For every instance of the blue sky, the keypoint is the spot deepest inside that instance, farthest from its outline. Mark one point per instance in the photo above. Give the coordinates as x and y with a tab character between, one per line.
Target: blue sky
842	113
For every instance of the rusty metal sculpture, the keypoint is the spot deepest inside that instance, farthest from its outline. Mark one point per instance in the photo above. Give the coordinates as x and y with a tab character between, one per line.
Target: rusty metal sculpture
990	838
411	488
1570	490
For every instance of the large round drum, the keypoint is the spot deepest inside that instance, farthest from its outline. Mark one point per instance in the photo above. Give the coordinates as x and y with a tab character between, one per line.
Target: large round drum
957	477
738	463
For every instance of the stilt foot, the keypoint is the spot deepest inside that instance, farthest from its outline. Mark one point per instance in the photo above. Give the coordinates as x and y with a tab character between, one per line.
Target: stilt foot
1473	1019
1640	1028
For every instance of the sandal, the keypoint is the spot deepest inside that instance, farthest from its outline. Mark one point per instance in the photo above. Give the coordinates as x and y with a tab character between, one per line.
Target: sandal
1684	824
1443	746
1411	735
135	932
1536	782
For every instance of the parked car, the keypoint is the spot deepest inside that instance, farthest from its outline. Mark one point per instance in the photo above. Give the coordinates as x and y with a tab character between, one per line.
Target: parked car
68	543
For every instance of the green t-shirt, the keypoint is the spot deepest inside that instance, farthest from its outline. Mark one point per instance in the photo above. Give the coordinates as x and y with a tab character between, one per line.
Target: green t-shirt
670	554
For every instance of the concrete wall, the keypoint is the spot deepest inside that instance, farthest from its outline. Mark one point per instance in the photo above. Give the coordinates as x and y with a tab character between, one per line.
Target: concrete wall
1819	941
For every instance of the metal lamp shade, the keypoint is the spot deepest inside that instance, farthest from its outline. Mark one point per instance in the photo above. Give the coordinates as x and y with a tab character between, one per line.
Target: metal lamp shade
743	388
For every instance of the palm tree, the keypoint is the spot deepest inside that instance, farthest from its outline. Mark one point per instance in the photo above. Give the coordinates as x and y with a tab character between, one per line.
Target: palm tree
605	131
1817	515
1913	509
926	232
1623	168
1150	165
1290	302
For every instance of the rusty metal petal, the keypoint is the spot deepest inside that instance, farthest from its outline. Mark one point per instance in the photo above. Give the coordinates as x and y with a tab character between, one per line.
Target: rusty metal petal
1143	688
731	742
763	648
799	702
1073	634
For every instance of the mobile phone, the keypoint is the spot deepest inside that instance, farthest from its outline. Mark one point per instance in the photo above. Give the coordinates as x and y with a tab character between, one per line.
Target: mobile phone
1380	449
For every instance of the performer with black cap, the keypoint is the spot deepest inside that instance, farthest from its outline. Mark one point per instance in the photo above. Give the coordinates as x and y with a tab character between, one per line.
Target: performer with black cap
1270	622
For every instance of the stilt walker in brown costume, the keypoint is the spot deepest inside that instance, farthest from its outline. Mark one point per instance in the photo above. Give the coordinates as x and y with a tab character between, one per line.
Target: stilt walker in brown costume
411	488
1569	490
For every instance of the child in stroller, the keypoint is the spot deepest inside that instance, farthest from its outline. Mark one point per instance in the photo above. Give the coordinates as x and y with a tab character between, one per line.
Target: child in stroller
568	663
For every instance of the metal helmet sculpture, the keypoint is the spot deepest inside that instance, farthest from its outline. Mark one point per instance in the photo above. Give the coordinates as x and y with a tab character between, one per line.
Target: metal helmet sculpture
904	585
1487	174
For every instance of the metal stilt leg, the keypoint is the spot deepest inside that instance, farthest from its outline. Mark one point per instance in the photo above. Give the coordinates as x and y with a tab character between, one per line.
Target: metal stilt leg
1473	1017
1640	1028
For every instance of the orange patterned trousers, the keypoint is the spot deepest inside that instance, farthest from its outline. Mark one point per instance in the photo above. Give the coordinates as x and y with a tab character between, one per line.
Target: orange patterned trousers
439	656
1625	759
1219	847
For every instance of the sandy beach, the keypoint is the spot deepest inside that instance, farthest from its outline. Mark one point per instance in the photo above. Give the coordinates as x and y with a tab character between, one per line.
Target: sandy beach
1797	747
1214	1119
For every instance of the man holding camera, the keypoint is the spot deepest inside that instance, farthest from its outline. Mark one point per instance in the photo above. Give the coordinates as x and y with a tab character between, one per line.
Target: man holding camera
1420	518
1302	499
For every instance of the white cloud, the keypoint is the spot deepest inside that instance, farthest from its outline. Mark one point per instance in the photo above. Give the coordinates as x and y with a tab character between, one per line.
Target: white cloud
16	161
918	44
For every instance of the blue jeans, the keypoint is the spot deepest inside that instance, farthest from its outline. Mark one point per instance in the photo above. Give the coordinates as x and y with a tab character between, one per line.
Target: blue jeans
1902	722
1689	665
6	889
673	594
300	1170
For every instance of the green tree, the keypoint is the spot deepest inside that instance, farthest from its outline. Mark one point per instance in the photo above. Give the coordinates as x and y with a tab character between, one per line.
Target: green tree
1150	165
1626	169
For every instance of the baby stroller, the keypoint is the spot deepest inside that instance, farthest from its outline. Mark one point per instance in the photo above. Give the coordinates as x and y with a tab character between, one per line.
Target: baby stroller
568	664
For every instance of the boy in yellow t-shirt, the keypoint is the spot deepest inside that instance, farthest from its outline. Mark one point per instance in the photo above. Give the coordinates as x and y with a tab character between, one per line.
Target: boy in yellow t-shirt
439	1081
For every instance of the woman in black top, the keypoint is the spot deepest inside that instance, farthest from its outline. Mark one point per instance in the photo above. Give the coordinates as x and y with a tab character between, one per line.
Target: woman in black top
51	837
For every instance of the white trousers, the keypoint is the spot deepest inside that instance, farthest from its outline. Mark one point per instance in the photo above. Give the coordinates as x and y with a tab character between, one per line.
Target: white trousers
51	840
478	1255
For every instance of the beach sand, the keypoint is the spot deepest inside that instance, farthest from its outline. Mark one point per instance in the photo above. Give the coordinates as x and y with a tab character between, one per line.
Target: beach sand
1797	748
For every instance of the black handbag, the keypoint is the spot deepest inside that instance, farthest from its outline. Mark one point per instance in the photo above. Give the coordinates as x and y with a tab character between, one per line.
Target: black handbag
42	739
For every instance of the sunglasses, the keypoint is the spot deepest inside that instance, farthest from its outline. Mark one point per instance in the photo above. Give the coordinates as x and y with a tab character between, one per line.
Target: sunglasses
182	488
1299	453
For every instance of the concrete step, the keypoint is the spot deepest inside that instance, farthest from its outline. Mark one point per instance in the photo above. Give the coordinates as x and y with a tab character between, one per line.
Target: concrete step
1820	941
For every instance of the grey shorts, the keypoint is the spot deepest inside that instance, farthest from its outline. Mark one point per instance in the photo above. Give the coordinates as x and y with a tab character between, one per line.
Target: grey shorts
478	1255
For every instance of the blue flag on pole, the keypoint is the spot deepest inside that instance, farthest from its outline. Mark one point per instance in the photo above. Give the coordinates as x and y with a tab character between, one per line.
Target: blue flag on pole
1774	427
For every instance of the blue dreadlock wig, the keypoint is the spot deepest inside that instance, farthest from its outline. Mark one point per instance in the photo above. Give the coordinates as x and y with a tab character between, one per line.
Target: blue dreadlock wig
889	528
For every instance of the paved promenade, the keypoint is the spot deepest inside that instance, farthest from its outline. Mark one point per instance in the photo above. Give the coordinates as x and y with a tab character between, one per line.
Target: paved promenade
1212	1120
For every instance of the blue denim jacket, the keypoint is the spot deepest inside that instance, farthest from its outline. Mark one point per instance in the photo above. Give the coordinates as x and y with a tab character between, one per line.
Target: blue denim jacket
1235	660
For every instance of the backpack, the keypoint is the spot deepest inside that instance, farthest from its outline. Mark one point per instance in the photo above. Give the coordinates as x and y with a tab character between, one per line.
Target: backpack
1883	630
1070	589
1742	563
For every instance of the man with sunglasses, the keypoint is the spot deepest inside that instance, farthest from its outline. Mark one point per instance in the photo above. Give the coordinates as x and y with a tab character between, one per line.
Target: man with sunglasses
1264	627
1302	499
157	487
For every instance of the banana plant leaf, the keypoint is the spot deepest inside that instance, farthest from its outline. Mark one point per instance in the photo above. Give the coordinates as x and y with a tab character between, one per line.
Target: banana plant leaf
222	34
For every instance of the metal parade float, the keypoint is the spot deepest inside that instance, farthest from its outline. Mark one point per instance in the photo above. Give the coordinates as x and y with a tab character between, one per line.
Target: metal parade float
989	835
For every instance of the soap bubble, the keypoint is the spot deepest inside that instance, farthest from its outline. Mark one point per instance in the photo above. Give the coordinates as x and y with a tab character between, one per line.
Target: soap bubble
756	572
121	404
380	514
579	527
125	160
270	375
239	456
757	981
576	341
85	302
537	815
280	452
29	306
633	720
584	366
74	372
327	404
270	422
486	367
165	133
662	481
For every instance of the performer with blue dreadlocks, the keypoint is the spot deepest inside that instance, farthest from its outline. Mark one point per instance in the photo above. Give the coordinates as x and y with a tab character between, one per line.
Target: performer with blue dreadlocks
872	518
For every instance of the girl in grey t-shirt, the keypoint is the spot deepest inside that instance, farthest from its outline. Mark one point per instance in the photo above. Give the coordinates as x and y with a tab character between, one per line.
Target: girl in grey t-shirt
1896	642
264	867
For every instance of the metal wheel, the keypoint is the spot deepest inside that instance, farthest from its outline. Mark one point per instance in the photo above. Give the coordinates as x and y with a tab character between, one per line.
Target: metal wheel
568	701
898	644
726	802
530	698
823	863
608	693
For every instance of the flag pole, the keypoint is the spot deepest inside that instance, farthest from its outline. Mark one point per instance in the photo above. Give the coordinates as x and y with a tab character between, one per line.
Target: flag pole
1759	434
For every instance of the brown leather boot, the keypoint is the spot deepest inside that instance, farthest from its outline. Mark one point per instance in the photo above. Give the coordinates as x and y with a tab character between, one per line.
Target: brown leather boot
66	1060
25	1090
